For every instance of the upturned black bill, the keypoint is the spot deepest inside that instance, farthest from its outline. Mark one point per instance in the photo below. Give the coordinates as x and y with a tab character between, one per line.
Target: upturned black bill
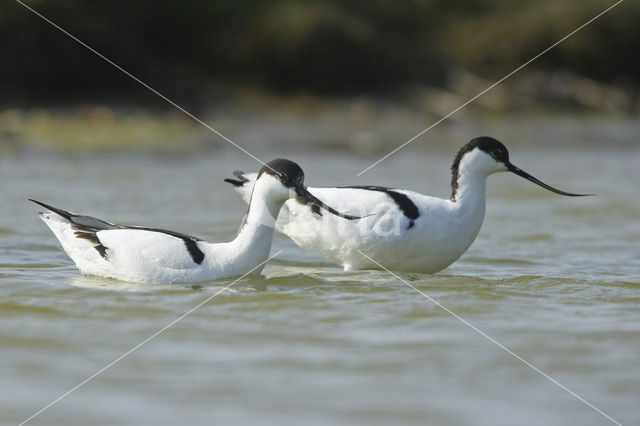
528	177
309	198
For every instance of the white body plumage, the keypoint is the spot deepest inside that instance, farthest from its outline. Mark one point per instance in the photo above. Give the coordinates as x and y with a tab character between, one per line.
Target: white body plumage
152	255
405	230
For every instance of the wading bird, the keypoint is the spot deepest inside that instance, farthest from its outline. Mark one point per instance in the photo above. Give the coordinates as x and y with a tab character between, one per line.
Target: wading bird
403	230
150	255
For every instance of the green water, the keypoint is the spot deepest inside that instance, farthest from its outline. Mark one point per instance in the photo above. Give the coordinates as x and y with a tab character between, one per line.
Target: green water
556	280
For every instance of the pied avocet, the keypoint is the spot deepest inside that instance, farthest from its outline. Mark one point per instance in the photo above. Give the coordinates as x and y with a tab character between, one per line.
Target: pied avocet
140	254
402	230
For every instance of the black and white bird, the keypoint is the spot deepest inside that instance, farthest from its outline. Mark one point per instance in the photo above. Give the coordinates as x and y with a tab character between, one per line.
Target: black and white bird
400	229
150	255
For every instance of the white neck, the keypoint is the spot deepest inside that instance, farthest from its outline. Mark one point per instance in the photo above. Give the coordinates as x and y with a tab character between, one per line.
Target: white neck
470	201
261	218
253	242
472	187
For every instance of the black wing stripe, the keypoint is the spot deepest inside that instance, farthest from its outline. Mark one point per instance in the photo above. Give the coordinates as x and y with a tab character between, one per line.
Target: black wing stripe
92	237
79	220
191	243
192	247
86	228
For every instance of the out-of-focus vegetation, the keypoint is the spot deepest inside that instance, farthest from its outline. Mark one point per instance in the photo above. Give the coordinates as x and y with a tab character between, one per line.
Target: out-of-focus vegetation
196	49
312	61
98	129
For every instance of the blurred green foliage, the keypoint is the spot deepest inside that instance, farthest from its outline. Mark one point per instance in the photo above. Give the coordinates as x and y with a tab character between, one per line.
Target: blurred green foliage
192	49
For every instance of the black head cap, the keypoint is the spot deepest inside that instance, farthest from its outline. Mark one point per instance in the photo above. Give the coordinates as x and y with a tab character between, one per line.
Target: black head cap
286	171
486	144
489	145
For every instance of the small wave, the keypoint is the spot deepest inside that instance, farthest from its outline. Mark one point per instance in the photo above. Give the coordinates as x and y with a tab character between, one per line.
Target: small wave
20	308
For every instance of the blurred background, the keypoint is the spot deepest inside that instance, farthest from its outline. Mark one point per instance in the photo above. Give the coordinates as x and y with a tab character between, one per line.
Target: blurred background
349	75
333	85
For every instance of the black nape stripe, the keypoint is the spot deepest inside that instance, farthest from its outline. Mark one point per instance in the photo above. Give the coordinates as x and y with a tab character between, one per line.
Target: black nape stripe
486	144
408	208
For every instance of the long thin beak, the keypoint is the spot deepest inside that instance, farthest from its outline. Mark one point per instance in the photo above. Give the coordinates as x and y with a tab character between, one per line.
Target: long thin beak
528	177
309	198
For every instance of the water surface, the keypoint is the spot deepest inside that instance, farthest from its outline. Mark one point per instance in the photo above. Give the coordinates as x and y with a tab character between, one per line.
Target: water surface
554	279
